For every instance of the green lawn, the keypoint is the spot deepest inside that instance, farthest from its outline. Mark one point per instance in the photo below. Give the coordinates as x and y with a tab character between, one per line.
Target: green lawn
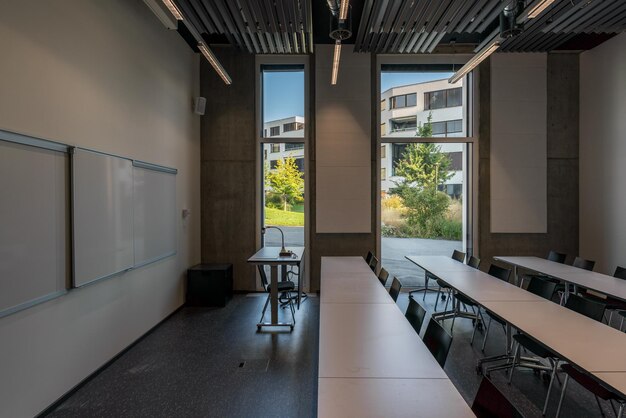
283	218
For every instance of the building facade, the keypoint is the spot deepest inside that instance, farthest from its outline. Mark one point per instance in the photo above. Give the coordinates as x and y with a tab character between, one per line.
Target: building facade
292	127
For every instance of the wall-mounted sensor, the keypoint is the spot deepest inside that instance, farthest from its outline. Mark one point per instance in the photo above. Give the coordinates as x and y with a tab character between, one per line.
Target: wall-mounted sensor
199	105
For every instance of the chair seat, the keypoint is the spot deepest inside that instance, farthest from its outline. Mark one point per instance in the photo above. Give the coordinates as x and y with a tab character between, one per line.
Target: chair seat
442	284
283	286
465	300
589	383
611	303
531	345
495	318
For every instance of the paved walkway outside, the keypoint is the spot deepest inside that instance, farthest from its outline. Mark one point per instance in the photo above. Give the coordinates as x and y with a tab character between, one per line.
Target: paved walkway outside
394	251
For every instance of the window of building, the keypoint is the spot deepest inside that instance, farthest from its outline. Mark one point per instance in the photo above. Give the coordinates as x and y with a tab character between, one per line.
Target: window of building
405	124
292	147
275	131
383	129
446	128
383	151
300	164
383	104
403	100
383	173
443	98
292	126
275	148
273	164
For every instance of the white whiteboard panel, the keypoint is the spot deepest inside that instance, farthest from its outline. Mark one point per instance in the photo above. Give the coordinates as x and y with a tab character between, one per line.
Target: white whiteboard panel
154	214
103	215
34	237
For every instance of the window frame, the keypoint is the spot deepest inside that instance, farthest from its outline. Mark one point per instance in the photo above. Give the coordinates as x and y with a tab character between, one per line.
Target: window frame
288	61
471	116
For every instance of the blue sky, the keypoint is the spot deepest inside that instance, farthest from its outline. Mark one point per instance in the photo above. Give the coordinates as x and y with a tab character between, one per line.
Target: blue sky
393	79
283	94
284	90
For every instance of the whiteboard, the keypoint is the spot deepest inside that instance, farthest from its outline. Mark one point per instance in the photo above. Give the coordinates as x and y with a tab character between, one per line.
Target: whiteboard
34	233
154	214
103	215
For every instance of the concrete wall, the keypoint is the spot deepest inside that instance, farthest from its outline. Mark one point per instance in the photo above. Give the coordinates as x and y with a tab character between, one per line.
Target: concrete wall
603	154
229	168
562	167
108	76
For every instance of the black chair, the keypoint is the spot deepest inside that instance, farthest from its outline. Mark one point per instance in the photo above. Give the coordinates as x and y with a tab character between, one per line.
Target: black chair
612	304
581	263
368	258
473	262
383	275
415	314
598	391
489	402
373	263
552	256
576	303
394	291
546	290
286	287
456	256
438	341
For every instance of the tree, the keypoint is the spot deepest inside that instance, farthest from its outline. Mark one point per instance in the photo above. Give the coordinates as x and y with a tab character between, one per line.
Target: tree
286	181
422	169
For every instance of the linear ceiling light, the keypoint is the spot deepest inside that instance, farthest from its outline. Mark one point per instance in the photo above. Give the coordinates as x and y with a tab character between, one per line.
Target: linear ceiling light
336	56
538	8
173	9
208	54
476	59
343	10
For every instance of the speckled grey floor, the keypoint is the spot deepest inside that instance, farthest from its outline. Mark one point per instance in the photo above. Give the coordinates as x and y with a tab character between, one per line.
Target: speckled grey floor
189	367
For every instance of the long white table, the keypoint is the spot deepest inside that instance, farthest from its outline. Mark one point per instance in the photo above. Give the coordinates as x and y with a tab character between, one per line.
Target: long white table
371	361
592	345
598	282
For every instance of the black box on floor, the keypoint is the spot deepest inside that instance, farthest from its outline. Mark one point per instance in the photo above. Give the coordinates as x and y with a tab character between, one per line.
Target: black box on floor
209	285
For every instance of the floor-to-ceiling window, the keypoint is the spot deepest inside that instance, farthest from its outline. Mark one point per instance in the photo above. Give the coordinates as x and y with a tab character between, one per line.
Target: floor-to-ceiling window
425	165
282	138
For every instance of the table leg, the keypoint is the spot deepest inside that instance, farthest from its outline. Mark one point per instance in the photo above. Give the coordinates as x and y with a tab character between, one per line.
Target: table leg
300	277
515	277
274	293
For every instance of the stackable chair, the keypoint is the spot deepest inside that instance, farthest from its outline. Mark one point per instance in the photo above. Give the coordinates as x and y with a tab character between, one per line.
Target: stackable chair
552	256
576	303
456	255
598	390
490	403
383	275
438	341
368	258
394	291
415	314
460	299
286	287
373	263
612	304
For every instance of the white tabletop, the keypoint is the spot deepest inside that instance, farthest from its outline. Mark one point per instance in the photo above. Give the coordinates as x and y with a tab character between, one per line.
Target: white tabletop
436	398
438	262
617	380
344	265
602	283
592	345
371	340
270	255
353	288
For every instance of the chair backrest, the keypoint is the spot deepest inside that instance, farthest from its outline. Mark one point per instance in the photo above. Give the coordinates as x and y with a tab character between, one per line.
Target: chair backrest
473	262
620	273
458	256
581	263
542	288
589	308
369	256
395	289
490	402
373	263
383	275
264	280
499	272
556	257
415	314
438	341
